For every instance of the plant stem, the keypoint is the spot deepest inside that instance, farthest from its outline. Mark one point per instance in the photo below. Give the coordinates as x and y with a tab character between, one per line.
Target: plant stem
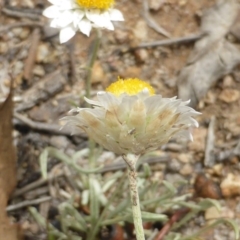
131	160
91	62
93	58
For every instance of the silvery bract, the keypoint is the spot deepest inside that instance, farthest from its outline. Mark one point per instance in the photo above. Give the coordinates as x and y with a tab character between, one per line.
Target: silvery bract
134	124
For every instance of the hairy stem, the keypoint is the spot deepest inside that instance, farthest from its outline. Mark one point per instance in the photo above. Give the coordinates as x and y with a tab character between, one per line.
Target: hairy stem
131	160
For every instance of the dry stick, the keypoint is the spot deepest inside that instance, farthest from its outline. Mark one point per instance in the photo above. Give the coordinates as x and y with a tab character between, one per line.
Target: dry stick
19	14
151	23
46	127
41	191
223	155
171	41
168	42
177	215
27	203
30	61
131	160
209	159
21	24
31	186
43	90
122	166
21	45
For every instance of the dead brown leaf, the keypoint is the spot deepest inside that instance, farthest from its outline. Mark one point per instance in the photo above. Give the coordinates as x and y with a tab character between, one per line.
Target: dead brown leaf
213	55
7	169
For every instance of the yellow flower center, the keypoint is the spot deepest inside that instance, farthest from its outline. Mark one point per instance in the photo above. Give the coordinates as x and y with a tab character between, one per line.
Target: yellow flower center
99	4
130	86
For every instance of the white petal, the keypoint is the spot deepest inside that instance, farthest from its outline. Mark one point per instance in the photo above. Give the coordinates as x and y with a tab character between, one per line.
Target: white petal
92	102
116	15
51	12
77	17
54	2
107	99
85	27
67	5
105	22
93	15
75	5
66	34
65	19
53	23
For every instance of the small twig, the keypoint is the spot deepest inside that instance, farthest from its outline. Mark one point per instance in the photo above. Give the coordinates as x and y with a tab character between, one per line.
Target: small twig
45	127
173	147
227	154
123	165
22	45
20	24
177	215
172	41
167	42
37	193
71	48
209	150
34	185
44	89
30	61
236	150
27	203
151	23
20	14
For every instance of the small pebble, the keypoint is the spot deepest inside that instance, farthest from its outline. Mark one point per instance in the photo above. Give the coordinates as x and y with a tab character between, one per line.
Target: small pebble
39	71
231	185
141	55
184	157
156	4
173	165
43	53
98	75
213	213
121	36
60	142
217	169
229	95
187	169
141	30
228	81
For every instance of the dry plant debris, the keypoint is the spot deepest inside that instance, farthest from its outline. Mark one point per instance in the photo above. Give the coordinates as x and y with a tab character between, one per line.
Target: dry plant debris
9	230
213	56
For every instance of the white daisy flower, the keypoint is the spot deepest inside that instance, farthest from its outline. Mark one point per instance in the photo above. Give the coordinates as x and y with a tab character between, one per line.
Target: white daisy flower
129	118
73	15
